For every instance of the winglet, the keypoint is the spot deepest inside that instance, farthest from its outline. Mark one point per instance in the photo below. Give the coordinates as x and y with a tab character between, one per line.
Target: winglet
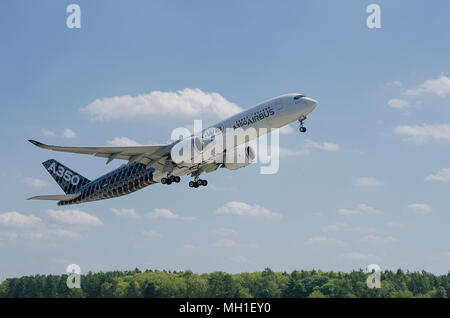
37	143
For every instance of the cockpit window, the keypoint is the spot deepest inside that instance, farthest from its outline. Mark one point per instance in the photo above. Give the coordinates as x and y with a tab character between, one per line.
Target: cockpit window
298	96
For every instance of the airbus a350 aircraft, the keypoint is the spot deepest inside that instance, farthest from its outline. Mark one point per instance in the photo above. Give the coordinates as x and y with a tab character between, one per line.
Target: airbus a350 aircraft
166	163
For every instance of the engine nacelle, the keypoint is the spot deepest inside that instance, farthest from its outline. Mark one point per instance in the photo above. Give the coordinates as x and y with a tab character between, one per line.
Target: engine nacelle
239	157
187	151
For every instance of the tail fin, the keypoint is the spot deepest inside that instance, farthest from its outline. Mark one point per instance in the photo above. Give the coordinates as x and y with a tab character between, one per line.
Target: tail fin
68	180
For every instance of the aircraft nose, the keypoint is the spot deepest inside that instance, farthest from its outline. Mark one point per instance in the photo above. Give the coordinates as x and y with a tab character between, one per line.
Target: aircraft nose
311	104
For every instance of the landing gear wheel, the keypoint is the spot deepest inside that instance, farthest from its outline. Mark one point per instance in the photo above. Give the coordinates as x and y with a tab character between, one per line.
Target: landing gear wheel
197	182
171	178
169	182
177	179
164	180
300	120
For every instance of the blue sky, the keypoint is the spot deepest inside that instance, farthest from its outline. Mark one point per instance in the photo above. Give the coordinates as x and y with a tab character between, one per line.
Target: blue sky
380	197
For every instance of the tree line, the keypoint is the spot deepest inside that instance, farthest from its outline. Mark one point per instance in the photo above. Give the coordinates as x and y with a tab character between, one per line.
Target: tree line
265	284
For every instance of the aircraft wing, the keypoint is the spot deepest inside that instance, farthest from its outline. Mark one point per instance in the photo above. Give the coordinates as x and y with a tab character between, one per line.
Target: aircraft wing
152	156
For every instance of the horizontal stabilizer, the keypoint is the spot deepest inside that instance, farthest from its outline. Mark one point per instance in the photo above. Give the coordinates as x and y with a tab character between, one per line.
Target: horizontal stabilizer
57	197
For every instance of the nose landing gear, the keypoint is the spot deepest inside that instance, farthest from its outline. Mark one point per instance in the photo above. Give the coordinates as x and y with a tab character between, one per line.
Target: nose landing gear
301	120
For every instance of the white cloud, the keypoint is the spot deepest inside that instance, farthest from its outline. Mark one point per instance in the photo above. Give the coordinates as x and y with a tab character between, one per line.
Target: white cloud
337	227
356	256
341	226
395	84
42	233
361	229
167	214
329	146
366	182
130	213
286	152
151	234
10	235
439	86
425	132
398	103
244	209
360	209
35	183
227	188
324	241
232	244
51	234
225	232
308	146
74	217
240	259
155	214
15	219
122	142
183	104
48	133
442	175
68	133
375	239
396	225
420	208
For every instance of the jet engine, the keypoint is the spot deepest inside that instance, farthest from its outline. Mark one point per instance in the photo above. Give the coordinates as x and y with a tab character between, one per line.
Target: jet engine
238	158
187	151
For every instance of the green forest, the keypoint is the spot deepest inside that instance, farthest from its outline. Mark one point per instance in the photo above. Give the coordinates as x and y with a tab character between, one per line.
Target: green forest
265	284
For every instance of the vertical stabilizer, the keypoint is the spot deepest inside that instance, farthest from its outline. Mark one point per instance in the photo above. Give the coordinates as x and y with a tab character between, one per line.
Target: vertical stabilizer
68	180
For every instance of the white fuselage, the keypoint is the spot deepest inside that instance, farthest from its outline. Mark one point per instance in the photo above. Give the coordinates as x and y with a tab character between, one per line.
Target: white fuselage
261	119
271	114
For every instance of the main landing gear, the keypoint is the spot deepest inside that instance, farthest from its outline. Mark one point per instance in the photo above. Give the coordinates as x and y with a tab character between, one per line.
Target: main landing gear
198	182
170	179
301	119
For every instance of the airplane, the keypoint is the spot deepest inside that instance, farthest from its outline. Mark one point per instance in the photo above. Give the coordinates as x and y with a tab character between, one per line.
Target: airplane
166	163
